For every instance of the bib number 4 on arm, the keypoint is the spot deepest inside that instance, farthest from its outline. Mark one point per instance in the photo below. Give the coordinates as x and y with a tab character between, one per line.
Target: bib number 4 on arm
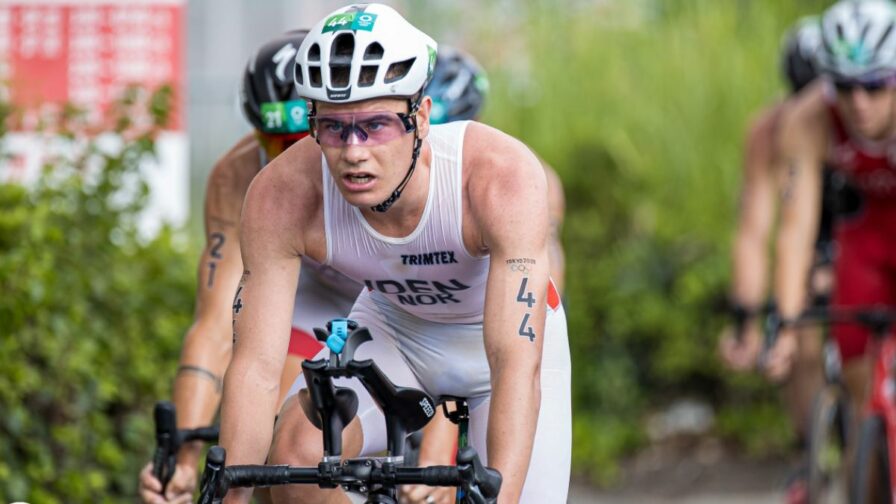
525	296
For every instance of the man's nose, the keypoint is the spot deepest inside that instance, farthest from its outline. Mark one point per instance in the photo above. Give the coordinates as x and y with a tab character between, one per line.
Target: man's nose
858	96
355	152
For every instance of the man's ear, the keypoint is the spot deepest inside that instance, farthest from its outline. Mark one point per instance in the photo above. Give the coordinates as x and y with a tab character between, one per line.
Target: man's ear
423	114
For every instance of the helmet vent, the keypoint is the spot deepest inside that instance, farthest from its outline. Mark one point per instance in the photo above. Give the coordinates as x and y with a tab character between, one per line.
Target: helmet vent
399	70
314	53
298	72
314	76
885	36
343	46
367	76
339	75
374	52
341	60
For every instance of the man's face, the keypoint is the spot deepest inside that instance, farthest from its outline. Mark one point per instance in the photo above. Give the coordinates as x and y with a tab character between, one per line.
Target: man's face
868	107
367	146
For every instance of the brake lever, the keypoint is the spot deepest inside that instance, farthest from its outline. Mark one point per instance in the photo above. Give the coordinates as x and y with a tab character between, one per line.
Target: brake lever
481	484
771	330
213	487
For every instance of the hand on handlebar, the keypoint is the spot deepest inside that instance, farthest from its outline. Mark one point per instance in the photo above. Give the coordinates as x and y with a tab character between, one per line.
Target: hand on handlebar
422	494
740	352
780	357
179	490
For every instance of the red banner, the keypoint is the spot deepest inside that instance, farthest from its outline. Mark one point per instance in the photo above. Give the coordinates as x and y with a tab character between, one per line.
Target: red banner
87	52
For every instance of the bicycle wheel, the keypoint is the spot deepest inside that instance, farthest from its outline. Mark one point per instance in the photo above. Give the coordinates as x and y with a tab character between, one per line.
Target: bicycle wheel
871	474
826	450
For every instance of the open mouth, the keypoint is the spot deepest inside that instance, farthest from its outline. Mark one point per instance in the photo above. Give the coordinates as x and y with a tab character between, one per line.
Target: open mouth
358	181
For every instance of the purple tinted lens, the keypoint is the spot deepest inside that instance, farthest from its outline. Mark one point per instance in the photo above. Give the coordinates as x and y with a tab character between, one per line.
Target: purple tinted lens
367	128
869	86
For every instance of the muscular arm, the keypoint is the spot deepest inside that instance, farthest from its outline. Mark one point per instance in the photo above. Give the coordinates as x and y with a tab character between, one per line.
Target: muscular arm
262	313
207	345
756	213
803	144
511	209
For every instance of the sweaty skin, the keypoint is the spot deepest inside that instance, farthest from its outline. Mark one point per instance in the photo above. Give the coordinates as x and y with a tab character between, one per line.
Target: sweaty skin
208	342
505	215
760	197
804	143
756	218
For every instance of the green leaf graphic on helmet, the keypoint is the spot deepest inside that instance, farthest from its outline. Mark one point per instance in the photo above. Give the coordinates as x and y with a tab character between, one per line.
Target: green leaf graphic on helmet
432	61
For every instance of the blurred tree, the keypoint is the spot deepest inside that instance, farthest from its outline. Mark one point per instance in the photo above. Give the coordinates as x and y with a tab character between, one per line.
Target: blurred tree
91	313
641	107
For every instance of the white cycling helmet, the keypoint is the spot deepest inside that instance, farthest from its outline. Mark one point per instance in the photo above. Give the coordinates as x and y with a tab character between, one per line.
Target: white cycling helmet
361	52
858	39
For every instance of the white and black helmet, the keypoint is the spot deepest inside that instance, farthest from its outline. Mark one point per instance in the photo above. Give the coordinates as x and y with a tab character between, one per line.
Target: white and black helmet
858	39
798	55
361	52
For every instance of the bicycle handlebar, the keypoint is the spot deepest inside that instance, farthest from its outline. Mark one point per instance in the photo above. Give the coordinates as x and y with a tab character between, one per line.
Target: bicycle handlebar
330	408
169	440
480	484
878	319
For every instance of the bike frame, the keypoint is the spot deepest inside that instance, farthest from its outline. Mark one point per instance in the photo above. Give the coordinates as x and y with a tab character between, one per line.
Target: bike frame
882	401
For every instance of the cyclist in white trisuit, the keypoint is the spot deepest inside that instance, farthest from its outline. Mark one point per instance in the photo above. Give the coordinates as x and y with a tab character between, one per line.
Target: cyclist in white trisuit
278	116
446	227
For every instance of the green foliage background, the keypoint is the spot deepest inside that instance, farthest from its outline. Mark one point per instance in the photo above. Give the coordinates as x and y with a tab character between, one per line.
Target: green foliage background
91	318
640	106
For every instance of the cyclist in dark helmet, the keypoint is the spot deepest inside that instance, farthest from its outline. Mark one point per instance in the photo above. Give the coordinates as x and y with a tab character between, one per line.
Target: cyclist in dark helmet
741	345
279	118
458	87
268	95
759	197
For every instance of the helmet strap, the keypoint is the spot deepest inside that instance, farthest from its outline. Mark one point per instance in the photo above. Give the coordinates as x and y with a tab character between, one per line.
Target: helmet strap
413	104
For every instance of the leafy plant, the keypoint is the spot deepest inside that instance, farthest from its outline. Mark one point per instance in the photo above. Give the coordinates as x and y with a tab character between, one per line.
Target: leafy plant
91	313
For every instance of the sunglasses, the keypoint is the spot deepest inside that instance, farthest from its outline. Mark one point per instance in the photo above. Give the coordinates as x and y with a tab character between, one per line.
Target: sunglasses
367	128
870	86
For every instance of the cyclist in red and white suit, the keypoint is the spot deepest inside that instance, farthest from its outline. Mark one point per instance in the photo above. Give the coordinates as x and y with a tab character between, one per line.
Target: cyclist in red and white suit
849	121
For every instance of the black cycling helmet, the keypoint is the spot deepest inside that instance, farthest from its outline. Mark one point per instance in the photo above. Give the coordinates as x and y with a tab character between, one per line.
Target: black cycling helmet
457	88
267	94
798	57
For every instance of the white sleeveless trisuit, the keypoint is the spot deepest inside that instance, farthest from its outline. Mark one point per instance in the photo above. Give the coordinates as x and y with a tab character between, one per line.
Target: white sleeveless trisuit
423	302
